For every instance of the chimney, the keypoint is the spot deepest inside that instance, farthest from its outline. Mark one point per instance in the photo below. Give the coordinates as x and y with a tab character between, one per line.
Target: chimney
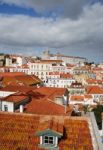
65	108
21	108
65	103
38	86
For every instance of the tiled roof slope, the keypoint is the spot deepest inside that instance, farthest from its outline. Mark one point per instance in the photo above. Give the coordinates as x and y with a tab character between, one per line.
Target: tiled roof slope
77	98
19	79
51	92
94	90
16	88
11	74
17	132
45	107
42	102
80	97
78	136
94	81
17	97
66	75
52	125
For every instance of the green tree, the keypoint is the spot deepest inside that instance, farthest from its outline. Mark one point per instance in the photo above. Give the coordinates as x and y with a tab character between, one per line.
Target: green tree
97	112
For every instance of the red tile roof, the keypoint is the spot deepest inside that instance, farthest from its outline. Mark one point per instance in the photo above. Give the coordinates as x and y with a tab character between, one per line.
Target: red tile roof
51	92
77	98
28	79
11	74
19	78
94	81
15	98
17	131
52	125
88	96
94	90
54	73
18	88
45	107
78	136
66	75
80	97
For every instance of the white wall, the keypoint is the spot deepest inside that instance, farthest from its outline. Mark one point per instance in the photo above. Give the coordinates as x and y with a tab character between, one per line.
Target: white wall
10	106
5	93
84	102
59	82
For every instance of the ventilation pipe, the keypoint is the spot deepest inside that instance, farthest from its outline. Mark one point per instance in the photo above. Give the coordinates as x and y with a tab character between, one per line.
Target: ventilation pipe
21	108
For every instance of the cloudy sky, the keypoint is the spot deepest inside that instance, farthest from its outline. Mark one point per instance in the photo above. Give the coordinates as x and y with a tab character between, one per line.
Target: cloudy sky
72	27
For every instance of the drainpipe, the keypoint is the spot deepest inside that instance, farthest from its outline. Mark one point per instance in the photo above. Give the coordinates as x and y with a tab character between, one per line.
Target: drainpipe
65	103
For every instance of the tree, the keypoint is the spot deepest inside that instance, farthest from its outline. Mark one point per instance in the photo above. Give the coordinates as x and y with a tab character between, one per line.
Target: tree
97	112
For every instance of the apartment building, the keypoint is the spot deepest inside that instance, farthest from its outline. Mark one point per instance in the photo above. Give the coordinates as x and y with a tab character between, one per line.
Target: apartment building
57	79
43	67
64	58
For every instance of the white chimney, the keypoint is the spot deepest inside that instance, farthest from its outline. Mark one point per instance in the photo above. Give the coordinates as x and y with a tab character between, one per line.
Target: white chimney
21	108
38	86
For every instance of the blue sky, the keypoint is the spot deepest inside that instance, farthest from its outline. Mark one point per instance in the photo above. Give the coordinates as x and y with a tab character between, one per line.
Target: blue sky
72	27
12	9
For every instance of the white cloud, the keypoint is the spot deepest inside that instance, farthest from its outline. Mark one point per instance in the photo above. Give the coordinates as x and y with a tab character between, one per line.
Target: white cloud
85	33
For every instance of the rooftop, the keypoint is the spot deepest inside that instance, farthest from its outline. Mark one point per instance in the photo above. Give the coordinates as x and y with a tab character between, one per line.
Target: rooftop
94	90
46	107
18	88
15	98
51	92
17	131
18	78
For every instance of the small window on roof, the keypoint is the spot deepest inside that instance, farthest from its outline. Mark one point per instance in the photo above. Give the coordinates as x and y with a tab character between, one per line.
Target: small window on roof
48	140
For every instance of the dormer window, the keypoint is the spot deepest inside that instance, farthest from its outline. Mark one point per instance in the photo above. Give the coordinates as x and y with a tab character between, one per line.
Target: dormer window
48	140
49	133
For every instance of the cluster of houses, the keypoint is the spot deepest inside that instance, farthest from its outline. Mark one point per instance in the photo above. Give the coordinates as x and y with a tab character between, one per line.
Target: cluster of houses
42	103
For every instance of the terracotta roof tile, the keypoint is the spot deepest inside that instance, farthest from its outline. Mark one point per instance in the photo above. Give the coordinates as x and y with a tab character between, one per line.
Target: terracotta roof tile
51	92
19	78
94	90
17	97
17	131
52	125
18	88
77	98
65	75
45	107
94	81
88	96
54	73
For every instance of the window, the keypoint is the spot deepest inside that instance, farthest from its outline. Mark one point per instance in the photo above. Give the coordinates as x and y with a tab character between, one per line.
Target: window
48	140
5	108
